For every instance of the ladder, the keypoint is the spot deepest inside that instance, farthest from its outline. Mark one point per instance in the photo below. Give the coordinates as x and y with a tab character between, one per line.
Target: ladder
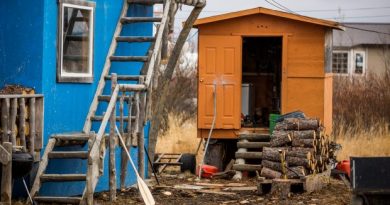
132	103
129	93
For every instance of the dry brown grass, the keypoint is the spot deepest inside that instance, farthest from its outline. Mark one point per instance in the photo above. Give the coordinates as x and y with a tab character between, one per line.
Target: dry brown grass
180	137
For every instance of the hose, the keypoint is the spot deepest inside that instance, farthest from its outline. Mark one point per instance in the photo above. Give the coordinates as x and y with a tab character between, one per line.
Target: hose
210	132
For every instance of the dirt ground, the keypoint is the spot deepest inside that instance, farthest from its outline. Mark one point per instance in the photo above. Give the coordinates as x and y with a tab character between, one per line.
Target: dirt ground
336	193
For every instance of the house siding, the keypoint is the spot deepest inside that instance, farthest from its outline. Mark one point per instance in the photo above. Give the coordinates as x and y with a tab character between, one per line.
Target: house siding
28	56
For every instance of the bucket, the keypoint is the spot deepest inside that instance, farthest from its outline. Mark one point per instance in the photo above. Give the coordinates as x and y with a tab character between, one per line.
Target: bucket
272	121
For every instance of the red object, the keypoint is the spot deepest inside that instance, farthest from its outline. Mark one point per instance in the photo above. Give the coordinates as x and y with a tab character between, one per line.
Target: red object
344	166
207	171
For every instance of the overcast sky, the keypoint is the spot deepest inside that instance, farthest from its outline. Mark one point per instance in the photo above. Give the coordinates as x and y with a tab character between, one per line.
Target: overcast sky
339	10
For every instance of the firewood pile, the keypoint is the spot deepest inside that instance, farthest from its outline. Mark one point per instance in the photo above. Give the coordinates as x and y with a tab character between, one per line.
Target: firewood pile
306	148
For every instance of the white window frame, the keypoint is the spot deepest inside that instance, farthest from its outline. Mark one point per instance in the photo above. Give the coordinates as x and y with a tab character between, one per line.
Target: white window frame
63	76
363	53
348	60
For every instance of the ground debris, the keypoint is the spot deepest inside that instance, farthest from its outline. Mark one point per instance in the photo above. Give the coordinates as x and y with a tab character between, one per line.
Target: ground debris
221	192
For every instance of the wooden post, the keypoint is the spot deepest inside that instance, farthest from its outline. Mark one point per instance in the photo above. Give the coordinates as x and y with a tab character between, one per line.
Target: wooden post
124	160
4	119
32	126
121	127
22	123
6	177
14	106
140	139
90	171
112	170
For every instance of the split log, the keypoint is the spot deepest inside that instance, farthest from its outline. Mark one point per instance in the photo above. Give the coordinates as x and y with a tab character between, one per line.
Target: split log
296	142
297	161
304	134
296	172
280	138
272	154
298	124
277	166
307	149
300	153
281	188
269	173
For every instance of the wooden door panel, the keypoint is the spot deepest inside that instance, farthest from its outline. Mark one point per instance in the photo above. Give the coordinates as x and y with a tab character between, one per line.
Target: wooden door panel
220	66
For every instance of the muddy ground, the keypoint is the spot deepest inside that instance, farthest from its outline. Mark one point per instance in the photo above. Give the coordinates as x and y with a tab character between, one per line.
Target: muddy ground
336	193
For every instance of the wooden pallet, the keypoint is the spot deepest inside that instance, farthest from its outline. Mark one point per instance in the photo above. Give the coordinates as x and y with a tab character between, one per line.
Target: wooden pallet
166	159
283	187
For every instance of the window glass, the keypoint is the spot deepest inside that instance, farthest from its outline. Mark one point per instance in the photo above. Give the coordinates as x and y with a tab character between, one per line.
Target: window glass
340	62
359	63
75	43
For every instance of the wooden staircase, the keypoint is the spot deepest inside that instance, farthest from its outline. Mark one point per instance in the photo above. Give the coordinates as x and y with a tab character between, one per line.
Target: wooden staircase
130	95
249	153
131	119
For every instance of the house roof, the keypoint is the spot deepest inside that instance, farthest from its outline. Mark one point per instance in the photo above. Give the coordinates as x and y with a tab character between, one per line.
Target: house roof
356	34
261	10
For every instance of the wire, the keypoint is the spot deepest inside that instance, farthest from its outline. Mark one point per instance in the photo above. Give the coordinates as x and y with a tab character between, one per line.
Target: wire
368	30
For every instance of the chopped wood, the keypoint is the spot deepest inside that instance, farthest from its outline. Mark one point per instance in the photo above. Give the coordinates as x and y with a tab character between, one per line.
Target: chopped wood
209	184
280	138
300	153
296	142
296	172
246	188
298	124
272	153
269	173
246	167
188	187
297	161
277	166
304	134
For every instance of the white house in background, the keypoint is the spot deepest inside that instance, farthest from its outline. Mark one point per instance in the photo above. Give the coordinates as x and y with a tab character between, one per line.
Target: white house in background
362	48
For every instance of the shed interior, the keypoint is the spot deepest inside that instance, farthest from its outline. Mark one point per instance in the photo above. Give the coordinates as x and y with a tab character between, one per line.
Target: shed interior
261	80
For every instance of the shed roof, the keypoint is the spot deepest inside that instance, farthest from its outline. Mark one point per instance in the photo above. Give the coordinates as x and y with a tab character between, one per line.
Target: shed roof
261	10
362	34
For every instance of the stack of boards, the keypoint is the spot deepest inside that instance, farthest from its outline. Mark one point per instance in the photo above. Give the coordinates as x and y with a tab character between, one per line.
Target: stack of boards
306	148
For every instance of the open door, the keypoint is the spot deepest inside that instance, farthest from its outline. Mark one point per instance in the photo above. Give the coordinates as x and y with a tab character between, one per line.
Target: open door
220	70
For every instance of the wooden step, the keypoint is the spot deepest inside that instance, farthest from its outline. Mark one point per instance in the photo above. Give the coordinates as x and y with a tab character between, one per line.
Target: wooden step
77	38
129	58
75	57
133	39
168	163
100	118
247	167
127	20
125	77
145	2
68	154
72	136
255	137
249	155
63	177
252	144
107	98
58	199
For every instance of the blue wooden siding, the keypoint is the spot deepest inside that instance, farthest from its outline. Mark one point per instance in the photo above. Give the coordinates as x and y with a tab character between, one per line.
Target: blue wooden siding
31	61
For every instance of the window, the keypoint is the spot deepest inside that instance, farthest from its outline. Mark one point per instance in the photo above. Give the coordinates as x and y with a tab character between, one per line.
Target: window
340	62
75	41
359	62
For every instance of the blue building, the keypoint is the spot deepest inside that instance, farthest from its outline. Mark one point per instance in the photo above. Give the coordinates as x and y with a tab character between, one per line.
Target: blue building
60	49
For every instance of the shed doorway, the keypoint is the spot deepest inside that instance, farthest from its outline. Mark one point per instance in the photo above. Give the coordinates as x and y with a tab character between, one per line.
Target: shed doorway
261	80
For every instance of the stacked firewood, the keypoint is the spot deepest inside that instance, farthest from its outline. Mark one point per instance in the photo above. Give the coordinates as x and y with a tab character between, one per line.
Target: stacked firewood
301	145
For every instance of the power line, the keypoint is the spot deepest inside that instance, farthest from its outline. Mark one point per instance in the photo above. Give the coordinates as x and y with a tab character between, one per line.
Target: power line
368	30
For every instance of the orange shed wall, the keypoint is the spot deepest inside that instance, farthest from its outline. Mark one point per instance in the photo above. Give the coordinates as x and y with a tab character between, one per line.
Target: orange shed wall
305	85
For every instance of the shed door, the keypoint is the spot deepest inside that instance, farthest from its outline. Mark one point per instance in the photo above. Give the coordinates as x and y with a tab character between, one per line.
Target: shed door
220	65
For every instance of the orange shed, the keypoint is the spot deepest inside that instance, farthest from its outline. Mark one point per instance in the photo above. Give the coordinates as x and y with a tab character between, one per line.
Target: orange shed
258	62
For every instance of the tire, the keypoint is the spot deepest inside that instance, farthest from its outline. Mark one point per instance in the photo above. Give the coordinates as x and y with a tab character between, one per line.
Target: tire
188	163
